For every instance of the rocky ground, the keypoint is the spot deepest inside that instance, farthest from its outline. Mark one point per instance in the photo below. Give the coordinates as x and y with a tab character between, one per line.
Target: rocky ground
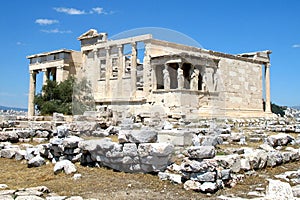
83	158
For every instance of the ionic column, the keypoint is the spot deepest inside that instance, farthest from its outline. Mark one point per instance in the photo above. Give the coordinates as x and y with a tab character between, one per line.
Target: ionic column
267	85
147	69
59	74
45	76
108	72
133	67
120	62
32	85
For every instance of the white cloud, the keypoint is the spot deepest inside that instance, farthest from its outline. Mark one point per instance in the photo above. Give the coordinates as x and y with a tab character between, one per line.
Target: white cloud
70	11
20	43
46	21
98	10
296	46
56	31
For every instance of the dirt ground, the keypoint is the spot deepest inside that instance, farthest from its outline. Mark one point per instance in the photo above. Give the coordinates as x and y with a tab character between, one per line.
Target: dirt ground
103	183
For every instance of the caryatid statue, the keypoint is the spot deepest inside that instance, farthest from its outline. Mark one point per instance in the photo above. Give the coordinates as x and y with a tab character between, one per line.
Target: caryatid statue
180	78
166	78
194	79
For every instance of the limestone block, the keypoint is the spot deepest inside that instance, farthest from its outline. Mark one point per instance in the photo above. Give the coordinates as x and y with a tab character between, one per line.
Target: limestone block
296	191
225	174
64	165
201	152
58	117
286	156
174	178
7	153
62	131
229	161
192	185
257	159
93	146
213	140
208	187
176	137
25	133
130	149
37	125
280	139
30	197
36	161
140	136
278	190
83	127
42	134
205	176
193	166
9	136
71	141
20	154
274	158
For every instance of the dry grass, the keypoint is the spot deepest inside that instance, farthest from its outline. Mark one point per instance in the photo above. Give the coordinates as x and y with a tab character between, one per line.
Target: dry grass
103	183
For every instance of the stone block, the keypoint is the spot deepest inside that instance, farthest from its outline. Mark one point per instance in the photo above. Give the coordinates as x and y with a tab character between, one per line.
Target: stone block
36	161
179	138
201	152
130	149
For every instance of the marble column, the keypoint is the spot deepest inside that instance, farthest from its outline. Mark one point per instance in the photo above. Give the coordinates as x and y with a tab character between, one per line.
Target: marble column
45	76
108	72
267	87
120	62
32	86
133	67
59	74
147	69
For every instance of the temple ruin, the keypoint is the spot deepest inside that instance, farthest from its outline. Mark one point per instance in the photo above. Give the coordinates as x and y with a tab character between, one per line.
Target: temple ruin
141	74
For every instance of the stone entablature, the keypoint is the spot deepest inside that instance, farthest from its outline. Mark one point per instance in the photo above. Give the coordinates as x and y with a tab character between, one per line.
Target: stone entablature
175	77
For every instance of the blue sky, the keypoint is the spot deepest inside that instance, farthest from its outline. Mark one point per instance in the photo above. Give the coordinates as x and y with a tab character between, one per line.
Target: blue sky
230	26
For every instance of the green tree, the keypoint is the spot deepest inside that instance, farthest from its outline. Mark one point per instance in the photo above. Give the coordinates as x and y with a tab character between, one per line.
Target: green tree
56	97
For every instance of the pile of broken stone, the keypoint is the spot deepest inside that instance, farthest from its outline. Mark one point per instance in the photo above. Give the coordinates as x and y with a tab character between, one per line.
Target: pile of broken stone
32	193
199	166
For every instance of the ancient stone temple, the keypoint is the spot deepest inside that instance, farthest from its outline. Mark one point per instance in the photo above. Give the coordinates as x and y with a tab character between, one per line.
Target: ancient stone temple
141	74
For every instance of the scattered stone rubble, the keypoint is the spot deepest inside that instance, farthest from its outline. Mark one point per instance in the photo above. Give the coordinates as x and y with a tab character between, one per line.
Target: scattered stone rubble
181	151
33	193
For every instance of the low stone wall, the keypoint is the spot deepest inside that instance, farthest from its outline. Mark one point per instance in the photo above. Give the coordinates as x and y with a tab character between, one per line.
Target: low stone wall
127	157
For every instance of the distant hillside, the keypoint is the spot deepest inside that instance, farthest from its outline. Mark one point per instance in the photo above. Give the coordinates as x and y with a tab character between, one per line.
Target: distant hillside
12	108
296	107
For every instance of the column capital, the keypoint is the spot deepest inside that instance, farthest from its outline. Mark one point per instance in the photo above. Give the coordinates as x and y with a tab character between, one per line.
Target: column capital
44	69
268	65
120	46
60	67
107	48
32	72
133	44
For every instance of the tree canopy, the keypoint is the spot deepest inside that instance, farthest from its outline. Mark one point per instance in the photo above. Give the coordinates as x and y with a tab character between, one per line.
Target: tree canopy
55	97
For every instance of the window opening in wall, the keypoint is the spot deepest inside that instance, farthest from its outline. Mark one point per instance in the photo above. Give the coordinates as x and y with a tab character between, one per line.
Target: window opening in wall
159	77
102	69
115	67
